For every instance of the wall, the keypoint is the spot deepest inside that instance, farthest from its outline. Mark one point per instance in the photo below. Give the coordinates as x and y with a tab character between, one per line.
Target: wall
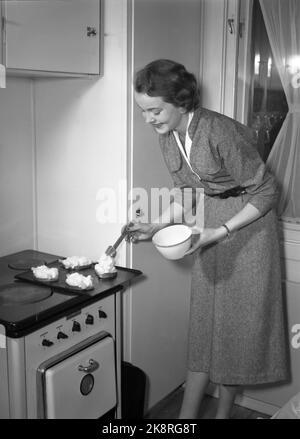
16	167
212	53
218	52
63	140
81	149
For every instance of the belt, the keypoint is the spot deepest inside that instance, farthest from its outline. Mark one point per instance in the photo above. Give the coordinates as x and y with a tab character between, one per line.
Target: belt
233	192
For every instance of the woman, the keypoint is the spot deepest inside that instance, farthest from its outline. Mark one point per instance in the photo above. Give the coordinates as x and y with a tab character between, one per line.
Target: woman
236	333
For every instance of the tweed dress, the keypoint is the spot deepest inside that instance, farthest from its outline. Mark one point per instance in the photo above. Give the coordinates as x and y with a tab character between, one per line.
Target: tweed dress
237	326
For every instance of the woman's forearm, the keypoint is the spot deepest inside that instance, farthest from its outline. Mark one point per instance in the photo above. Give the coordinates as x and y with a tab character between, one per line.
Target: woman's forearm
247	215
174	214
209	235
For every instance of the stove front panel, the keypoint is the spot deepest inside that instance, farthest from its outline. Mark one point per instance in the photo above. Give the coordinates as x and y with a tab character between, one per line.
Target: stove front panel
60	336
16	378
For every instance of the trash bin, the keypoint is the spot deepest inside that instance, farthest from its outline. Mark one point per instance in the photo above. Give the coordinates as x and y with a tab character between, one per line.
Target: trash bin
291	410
133	388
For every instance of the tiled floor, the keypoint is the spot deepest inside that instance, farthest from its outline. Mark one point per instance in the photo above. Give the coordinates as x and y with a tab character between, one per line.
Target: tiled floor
169	409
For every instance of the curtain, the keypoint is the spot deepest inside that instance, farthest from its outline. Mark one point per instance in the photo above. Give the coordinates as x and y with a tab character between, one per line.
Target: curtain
282	20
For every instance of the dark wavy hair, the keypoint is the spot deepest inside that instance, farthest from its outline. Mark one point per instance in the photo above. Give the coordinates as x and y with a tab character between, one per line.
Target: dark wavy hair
170	81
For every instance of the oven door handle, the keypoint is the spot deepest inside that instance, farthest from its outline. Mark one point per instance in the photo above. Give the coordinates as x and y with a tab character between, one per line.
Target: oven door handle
93	365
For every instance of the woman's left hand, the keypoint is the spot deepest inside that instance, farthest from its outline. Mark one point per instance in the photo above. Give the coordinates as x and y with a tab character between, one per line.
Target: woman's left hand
207	236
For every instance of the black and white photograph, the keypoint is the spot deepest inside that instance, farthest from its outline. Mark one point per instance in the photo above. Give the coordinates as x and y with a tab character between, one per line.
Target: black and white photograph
149	213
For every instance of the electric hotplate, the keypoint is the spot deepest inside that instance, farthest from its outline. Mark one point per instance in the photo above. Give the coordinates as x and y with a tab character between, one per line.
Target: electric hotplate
19	293
27	304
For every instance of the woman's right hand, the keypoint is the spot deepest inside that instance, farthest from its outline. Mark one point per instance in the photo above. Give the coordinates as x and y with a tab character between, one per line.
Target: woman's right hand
141	231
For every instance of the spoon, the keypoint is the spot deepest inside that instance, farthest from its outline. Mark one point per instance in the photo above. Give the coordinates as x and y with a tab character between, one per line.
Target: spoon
112	249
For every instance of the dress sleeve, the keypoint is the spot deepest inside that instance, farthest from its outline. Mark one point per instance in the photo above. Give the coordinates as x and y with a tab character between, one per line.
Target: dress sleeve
236	146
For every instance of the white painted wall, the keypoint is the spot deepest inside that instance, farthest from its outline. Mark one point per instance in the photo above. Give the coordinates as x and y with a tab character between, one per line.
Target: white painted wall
81	147
218	53
75	130
212	53
16	167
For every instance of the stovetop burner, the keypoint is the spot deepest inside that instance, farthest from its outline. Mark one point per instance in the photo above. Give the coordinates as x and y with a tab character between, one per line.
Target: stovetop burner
22	294
25	263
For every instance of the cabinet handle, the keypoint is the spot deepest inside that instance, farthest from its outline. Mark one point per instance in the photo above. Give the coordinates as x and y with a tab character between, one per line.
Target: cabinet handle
230	23
91	31
139	212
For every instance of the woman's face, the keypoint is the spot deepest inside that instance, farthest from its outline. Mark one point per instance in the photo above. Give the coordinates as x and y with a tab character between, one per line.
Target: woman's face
164	117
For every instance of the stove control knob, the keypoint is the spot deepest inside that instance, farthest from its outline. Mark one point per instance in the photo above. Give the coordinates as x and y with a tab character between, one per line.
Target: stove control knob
61	334
47	342
102	314
76	327
89	319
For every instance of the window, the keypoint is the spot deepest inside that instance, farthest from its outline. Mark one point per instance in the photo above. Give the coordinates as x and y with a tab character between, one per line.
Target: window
268	106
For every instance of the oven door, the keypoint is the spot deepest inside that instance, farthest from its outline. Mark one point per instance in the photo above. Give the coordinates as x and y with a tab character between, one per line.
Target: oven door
80	383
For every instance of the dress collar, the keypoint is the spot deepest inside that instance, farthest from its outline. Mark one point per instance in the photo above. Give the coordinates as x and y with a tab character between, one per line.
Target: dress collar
192	127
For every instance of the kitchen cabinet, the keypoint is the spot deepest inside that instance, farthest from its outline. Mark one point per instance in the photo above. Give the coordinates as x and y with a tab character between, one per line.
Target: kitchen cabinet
269	398
52	37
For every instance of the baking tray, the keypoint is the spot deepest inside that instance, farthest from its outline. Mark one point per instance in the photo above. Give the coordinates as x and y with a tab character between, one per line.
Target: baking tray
124	276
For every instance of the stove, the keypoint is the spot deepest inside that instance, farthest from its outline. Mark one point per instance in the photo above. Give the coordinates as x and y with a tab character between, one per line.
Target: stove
59	349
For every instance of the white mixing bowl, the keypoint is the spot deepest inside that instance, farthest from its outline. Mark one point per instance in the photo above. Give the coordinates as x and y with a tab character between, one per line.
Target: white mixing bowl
173	241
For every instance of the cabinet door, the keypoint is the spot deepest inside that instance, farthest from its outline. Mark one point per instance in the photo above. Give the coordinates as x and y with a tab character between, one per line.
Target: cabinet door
53	35
277	395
